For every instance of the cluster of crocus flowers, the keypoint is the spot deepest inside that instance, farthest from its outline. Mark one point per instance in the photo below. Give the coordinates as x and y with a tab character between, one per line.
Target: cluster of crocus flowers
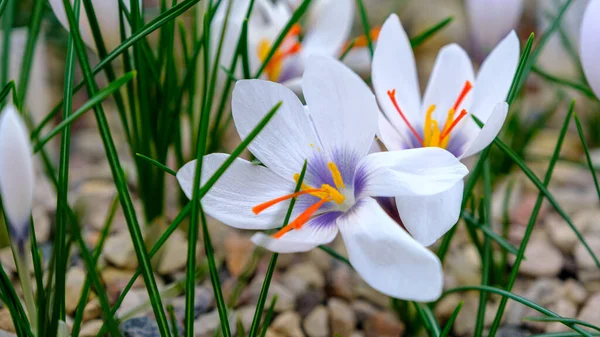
333	133
442	118
590	45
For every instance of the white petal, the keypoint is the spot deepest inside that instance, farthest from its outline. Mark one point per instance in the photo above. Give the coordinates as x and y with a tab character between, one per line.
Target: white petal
288	139
492	19
590	45
295	85
489	131
420	171
394	69
427	218
342	106
451	71
387	257
17	181
495	77
390	136
243	186
330	27
107	13
311	235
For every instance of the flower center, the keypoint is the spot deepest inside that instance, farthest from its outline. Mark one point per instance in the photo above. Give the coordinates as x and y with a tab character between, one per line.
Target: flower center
433	135
290	46
326	193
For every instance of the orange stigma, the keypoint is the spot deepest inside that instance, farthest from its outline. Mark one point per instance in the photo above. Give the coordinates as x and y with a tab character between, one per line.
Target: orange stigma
301	219
362	41
466	88
447	130
392	94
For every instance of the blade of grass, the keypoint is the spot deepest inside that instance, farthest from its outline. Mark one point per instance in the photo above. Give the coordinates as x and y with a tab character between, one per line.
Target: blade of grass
157	164
428	319
7	25
520	299
567	83
90	104
588	158
119	178
489	233
262	298
38	270
32	37
62	189
486	258
424	36
450	322
364	20
268	317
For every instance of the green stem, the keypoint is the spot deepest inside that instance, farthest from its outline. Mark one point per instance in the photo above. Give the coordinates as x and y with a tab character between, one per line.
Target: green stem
25	278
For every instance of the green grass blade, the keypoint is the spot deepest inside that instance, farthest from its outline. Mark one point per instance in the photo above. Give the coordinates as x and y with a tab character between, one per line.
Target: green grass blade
7	25
157	164
39	279
32	37
364	20
486	259
424	36
489	233
450	323
119	178
533	218
428	319
90	104
508	295
567	83
268	317
588	158
563	334
262	298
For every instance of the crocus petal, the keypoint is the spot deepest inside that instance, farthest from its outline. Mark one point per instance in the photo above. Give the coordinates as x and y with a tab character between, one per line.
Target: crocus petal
451	70
386	257
489	131
495	77
590	45
288	139
420	171
389	135
16	171
341	105
492	19
107	13
330	27
243	186
394	69
427	218
318	231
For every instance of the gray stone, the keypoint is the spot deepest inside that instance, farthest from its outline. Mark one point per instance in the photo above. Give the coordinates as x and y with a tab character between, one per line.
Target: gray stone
383	324
140	327
541	259
287	324
341	317
589	312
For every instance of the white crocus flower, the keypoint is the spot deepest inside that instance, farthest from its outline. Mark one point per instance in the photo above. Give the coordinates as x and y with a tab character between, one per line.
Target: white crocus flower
491	20
107	12
325	34
16	173
441	118
334	134
590	45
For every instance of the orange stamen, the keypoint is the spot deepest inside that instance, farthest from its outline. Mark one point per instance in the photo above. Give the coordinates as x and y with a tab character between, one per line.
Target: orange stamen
362	41
295	30
259	208
392	94
446	132
301	219
468	86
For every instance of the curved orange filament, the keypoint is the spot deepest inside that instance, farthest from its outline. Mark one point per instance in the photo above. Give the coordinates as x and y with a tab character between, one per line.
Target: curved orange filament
259	208
465	90
362	41
446	132
301	219
392	95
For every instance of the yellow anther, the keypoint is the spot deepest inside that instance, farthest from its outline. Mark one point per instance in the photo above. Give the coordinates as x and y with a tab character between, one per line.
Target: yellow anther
435	134
305	187
427	128
275	66
337	176
332	193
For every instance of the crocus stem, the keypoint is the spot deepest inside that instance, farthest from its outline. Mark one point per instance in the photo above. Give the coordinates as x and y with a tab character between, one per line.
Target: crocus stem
24	277
63	330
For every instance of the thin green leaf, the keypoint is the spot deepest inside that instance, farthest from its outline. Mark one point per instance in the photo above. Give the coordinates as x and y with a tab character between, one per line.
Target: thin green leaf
588	158
428	319
561	81
562	320
364	20
486	258
450	322
262	298
269	316
91	103
508	295
32	36
157	164
502	242
424	36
